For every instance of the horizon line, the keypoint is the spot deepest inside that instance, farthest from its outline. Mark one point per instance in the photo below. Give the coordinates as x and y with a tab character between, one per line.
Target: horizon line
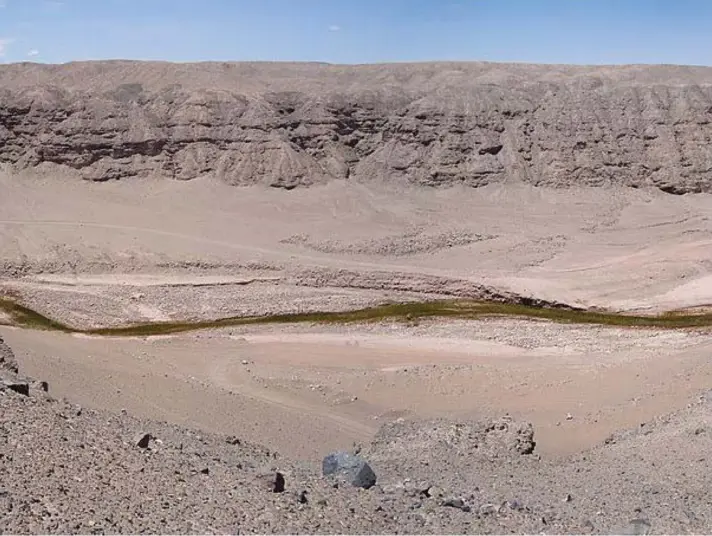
366	64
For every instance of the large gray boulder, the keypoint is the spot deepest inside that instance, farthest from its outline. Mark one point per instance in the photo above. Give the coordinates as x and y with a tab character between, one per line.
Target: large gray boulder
349	468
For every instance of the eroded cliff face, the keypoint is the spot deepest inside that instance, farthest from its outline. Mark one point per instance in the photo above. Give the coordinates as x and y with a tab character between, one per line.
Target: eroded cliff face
288	125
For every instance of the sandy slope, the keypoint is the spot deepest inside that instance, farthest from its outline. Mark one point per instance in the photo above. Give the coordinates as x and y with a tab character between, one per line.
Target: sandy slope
304	391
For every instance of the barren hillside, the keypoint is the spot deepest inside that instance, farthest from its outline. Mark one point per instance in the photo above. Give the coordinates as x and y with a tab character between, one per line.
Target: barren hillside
70	469
288	125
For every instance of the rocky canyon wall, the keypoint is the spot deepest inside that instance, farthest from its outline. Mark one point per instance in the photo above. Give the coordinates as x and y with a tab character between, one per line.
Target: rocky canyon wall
290	125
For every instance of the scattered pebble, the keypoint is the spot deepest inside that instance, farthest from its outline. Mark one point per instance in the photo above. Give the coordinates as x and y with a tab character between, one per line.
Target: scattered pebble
456	503
488	509
272	481
142	440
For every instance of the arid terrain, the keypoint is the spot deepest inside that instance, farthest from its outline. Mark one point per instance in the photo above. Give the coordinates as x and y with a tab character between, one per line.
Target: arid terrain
476	199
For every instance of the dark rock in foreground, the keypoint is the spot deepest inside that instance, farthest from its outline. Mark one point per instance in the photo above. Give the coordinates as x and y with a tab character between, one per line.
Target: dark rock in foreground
142	440
20	387
349	468
272	481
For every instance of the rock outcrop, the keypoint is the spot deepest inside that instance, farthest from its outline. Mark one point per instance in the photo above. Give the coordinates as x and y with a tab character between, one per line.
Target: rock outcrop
8	362
289	125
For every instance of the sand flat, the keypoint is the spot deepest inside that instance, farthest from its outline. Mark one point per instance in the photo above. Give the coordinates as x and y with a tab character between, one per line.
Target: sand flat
91	254
344	383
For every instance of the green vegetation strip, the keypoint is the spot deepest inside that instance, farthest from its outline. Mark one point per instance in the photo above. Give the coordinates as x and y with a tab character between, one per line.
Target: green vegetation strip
27	318
22	316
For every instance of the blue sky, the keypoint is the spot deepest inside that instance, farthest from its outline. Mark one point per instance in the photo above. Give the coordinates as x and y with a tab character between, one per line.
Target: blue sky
359	31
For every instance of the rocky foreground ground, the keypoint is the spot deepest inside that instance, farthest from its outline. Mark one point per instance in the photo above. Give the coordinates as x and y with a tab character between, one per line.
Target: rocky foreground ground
68	469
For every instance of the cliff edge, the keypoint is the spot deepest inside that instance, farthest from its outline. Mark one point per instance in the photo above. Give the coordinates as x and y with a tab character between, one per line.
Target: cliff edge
289	125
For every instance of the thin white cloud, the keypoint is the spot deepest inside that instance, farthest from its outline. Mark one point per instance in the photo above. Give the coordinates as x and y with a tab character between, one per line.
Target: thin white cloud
33	52
52	5
4	43
334	28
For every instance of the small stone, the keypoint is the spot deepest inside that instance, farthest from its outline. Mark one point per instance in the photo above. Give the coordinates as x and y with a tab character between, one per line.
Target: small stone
636	527
19	387
302	499
205	471
232	440
245	362
272	481
514	504
142	440
41	386
488	509
433	491
569	417
568	498
455	503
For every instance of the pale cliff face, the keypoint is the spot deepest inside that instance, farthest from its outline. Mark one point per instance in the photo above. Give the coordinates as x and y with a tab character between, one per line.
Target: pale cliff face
290	125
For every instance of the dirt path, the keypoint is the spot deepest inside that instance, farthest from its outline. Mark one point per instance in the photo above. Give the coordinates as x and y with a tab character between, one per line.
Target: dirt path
220	376
317	260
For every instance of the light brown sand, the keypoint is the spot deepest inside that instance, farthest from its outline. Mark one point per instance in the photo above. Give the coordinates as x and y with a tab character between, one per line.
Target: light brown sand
625	249
107	254
304	391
